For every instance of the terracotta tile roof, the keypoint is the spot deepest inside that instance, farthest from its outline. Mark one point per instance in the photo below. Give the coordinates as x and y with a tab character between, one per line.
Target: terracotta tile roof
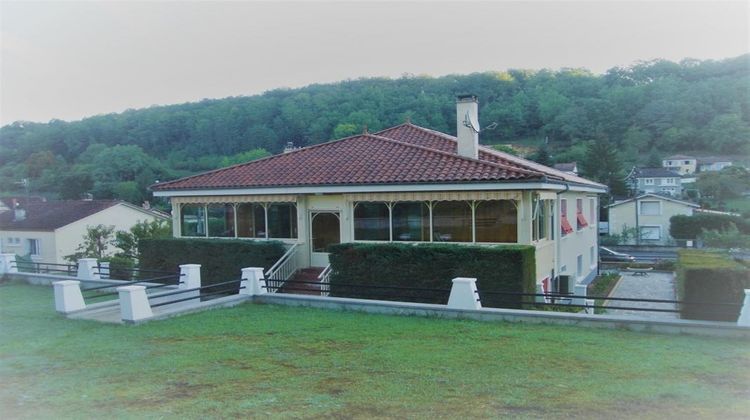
50	215
361	159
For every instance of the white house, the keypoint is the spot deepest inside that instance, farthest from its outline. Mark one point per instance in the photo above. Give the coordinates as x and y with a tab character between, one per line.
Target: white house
47	231
713	163
682	164
649	215
655	181
403	184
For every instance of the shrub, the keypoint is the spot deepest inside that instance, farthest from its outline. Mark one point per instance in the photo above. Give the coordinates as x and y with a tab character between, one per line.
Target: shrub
120	268
497	268
710	276
221	259
691	227
728	238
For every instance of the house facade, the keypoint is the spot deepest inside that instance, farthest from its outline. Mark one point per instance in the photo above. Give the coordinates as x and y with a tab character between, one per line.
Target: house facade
682	164
48	231
713	163
655	181
648	215
403	184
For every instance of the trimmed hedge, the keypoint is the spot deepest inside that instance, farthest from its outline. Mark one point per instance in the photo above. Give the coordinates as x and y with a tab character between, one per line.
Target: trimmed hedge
710	276
691	227
508	268
221	260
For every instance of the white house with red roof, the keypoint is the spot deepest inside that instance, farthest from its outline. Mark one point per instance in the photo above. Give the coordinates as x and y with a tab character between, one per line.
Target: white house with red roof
402	184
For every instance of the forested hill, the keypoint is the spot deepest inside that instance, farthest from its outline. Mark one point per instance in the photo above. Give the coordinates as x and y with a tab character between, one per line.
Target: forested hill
691	106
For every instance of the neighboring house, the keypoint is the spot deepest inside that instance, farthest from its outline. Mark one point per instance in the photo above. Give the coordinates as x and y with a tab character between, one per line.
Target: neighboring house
47	231
403	184
649	215
713	163
655	181
682	164
568	167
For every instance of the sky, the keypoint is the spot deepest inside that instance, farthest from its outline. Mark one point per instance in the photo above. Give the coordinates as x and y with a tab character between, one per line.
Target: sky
69	60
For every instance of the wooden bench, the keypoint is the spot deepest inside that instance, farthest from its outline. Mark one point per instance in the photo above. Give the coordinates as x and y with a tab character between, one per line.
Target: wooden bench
639	271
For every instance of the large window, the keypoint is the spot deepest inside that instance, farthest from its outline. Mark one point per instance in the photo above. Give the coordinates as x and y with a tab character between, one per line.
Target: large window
221	220
411	221
496	221
451	222
372	222
650	208
539	223
282	221
650	233
251	220
193	220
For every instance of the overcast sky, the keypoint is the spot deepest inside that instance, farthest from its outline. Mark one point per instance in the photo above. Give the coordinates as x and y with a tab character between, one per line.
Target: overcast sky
71	60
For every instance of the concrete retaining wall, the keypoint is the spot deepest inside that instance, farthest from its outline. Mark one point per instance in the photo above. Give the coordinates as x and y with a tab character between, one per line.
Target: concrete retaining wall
626	322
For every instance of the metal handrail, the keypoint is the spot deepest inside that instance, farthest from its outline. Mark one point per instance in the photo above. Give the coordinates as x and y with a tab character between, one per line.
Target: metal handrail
324	280
284	268
287	254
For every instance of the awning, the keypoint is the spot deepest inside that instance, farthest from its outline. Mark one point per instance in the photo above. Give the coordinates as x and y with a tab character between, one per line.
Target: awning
435	196
271	198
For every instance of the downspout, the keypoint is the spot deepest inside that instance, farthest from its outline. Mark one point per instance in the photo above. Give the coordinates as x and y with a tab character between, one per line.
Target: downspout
558	230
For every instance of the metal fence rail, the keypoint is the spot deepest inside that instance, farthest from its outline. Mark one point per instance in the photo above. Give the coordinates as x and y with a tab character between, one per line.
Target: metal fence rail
197	289
43	268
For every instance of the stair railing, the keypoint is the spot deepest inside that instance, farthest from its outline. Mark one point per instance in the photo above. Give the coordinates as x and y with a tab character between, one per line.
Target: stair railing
324	280
283	270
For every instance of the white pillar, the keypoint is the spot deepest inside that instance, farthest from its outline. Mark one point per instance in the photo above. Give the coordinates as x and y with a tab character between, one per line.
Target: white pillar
68	297
87	269
539	291
8	263
104	269
464	294
134	304
253	281
589	306
744	319
580	290
190	276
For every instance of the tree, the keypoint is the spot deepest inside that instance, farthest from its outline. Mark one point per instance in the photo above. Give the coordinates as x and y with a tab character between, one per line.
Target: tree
730	182
654	160
128	241
602	163
96	242
542	156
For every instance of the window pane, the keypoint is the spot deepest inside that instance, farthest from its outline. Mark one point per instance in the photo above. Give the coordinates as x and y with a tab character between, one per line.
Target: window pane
411	221
282	221
193	220
371	222
497	221
451	221
221	220
251	221
650	208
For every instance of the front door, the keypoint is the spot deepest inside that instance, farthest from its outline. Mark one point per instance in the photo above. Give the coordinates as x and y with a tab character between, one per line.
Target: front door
325	230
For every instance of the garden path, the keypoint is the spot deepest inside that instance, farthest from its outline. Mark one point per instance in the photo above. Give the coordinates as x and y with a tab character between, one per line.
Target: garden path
651	286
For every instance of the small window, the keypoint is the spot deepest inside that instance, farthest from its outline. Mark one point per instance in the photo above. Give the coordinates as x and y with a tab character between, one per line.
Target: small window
687	162
649	181
592	256
650	208
34	247
650	233
193	220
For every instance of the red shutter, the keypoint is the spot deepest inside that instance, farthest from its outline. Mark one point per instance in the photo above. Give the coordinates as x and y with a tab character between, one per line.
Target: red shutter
579	214
564	224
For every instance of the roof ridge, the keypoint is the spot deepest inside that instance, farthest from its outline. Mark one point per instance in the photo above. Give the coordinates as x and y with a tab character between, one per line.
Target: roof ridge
455	155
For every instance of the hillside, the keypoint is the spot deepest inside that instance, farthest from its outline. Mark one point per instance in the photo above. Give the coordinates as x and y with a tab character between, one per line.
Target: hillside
657	107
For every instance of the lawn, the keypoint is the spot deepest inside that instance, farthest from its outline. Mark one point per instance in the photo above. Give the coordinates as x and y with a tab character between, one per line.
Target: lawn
270	361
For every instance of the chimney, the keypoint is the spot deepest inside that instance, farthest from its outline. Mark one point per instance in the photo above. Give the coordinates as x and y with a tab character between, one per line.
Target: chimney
467	125
19	213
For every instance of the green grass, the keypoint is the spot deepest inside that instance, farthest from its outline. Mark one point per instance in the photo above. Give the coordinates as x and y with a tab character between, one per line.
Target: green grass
270	361
706	258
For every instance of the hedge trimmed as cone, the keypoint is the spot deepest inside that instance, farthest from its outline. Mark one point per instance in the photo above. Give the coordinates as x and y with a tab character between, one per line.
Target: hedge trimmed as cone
221	260
504	268
710	276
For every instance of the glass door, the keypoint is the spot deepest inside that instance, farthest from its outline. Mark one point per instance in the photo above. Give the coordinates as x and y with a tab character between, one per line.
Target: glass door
325	230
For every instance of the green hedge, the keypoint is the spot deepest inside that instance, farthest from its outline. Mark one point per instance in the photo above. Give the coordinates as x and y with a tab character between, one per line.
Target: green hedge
221	259
710	276
691	227
497	268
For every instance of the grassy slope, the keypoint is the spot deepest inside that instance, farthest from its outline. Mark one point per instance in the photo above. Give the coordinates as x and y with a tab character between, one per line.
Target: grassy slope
256	360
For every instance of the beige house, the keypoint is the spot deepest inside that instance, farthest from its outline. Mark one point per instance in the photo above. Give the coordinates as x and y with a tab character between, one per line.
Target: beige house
402	184
47	231
649	215
682	164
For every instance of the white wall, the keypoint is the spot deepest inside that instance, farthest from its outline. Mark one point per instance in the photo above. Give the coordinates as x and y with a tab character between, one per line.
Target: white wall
623	216
46	244
121	216
579	242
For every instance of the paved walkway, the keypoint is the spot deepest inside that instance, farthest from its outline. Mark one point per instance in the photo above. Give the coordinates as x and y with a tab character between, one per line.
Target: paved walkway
652	286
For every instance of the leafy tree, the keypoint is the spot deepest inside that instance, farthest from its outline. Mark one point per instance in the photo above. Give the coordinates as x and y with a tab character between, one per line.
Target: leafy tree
602	163
128	241
542	156
654	160
96	242
730	182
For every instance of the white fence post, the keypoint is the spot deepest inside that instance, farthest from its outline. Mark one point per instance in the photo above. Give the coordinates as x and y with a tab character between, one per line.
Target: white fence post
104	269
68	297
190	276
744	319
8	263
464	294
589	309
253	281
87	269
580	293
134	304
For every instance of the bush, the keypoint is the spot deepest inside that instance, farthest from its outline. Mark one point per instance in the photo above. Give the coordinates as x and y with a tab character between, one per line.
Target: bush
710	276
508	268
691	227
729	238
120	268
221	259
